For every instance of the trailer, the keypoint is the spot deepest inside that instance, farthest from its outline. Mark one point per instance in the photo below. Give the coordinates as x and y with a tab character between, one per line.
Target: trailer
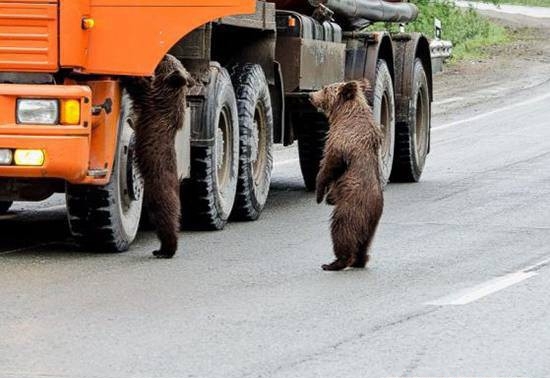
66	125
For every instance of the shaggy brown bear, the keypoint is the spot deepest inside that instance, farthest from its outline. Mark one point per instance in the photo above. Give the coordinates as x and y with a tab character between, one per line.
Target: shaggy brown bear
158	105
349	172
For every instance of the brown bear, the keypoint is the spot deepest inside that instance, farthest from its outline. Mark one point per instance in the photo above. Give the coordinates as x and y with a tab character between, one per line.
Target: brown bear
158	105
349	171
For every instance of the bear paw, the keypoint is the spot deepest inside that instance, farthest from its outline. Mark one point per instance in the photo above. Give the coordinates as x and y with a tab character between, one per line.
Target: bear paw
163	254
335	265
360	262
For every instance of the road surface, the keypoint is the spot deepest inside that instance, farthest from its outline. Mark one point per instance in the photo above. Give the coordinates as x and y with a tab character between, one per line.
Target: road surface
536	12
457	286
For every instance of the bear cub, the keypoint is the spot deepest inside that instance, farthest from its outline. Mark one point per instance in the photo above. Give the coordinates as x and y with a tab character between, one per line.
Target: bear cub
349	171
158	105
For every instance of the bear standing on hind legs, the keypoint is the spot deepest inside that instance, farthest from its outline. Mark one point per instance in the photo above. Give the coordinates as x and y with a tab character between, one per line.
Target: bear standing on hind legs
158	104
349	172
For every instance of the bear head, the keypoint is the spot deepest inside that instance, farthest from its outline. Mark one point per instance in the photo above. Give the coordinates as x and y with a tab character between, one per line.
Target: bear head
170	75
170	80
333	97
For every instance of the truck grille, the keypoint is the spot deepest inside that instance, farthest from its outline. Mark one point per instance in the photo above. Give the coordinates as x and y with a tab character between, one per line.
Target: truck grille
28	36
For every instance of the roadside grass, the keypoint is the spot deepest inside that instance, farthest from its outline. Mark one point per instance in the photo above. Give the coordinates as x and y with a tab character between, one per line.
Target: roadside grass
469	32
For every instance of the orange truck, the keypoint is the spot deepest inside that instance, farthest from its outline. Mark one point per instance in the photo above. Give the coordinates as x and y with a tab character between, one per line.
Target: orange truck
66	122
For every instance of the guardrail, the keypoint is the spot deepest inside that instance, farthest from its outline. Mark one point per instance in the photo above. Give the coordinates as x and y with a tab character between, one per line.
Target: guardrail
440	51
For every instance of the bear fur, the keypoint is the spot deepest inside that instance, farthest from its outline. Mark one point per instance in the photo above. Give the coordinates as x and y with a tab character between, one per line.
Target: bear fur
349	175
158	105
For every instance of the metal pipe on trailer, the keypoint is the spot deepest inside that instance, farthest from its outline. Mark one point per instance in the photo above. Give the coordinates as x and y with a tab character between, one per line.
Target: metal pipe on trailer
372	10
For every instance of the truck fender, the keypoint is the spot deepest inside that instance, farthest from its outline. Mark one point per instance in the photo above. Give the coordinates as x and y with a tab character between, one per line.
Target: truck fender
379	46
202	132
408	47
282	132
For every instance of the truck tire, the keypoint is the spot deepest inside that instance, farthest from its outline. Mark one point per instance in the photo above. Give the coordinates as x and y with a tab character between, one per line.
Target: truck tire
5	206
106	218
412	138
311	144
209	194
256	141
384	113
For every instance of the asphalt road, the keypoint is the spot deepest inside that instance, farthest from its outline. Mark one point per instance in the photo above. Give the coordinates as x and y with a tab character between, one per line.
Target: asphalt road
457	286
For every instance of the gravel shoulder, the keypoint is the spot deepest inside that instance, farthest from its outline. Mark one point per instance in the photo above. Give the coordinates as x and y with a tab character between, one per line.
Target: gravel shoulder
521	65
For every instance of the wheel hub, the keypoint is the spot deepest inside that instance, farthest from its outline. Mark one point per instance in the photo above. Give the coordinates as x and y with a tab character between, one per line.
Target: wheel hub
422	126
254	142
257	145
220	149
134	180
384	122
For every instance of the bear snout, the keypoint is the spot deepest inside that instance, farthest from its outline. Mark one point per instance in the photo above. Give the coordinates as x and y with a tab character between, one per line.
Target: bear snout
315	100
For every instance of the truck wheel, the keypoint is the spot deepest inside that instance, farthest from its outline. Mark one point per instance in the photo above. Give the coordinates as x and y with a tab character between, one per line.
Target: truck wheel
384	114
256	141
208	196
412	138
311	144
106	218
5	206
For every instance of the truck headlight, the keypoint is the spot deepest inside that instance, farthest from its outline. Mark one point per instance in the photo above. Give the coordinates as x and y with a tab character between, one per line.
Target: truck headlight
37	112
6	156
31	158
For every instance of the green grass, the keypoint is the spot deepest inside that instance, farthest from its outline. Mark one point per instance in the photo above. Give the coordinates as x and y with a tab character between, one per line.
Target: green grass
468	31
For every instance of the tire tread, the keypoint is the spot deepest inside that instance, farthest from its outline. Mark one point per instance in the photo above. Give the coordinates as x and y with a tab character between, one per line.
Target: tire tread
245	77
311	146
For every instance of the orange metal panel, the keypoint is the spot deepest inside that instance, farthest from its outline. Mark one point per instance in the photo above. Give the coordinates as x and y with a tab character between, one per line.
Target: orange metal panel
9	93
104	127
131	36
71	151
28	36
66	156
73	39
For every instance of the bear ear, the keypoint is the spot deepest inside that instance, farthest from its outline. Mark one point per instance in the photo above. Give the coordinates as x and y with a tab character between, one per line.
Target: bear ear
349	91
178	79
175	80
365	86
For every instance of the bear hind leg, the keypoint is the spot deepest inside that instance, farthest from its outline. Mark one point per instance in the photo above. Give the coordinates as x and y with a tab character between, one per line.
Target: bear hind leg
344	242
362	256
165	212
362	253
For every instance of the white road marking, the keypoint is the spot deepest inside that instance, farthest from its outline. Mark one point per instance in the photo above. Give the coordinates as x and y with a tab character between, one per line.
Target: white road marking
484	289
492	112
537	266
448	100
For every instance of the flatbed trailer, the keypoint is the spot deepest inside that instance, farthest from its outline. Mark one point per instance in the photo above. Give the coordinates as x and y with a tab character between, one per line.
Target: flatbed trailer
66	124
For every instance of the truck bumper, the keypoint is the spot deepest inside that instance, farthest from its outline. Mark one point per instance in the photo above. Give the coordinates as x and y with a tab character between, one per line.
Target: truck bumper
66	157
66	148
